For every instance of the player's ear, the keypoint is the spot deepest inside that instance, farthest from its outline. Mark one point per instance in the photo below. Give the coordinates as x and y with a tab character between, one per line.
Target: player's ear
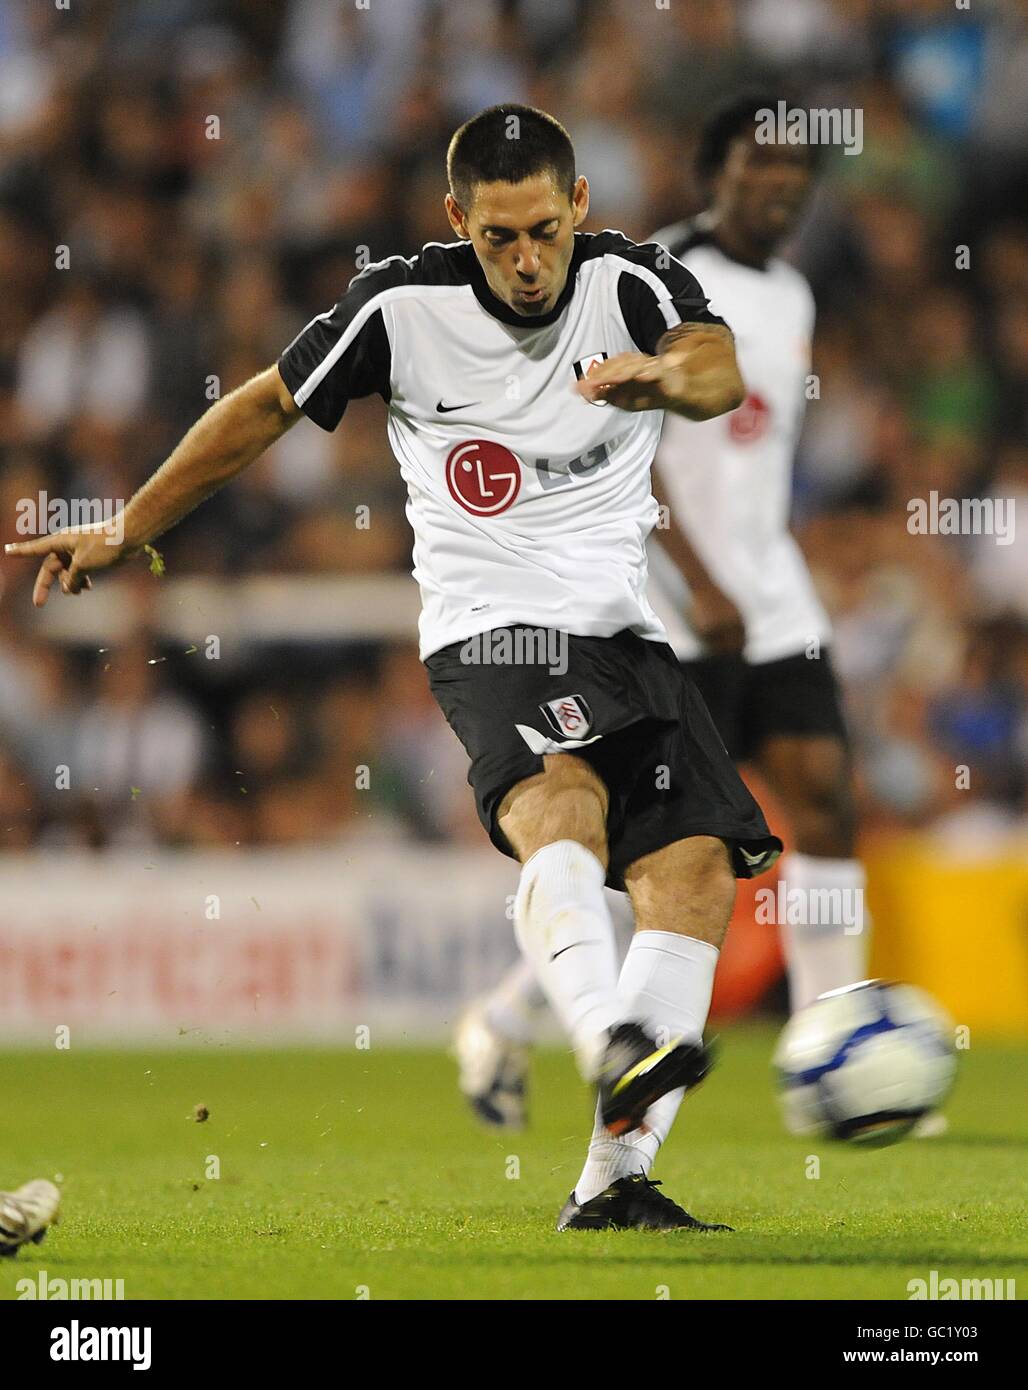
580	200
458	221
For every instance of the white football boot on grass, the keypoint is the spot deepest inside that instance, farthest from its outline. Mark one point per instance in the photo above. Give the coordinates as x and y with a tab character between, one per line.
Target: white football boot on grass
492	1070
27	1213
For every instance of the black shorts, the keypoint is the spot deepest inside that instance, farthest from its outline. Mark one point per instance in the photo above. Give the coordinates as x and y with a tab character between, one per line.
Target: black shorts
626	708
749	703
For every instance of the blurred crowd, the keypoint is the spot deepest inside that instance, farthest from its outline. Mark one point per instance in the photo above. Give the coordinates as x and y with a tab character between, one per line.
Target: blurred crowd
184	183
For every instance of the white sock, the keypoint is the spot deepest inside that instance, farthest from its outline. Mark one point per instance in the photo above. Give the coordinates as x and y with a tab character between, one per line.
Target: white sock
564	929
511	1008
827	947
666	983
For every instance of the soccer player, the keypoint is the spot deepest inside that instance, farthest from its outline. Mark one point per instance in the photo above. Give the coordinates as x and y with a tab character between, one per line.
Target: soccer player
526	369
732	588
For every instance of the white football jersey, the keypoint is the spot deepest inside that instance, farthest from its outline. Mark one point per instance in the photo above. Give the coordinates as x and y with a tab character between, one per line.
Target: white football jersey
729	480
529	504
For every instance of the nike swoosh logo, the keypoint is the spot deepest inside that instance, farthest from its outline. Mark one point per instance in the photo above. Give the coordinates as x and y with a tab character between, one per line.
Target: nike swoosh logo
572	946
445	409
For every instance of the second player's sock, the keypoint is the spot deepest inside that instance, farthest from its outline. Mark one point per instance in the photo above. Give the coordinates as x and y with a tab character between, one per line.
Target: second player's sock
511	1008
564	929
828	947
666	983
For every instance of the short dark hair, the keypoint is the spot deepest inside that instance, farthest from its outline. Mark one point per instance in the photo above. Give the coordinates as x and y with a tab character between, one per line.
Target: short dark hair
507	144
730	119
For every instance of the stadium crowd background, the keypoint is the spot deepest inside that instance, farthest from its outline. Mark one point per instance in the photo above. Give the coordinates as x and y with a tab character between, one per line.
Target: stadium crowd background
193	257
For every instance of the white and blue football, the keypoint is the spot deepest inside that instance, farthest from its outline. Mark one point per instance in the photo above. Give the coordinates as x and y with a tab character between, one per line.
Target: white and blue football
865	1063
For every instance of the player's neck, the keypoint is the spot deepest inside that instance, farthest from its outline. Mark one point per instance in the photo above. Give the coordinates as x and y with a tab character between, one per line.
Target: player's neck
734	243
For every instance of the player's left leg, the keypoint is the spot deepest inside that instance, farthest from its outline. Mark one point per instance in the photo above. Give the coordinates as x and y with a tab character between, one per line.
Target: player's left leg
827	947
686	831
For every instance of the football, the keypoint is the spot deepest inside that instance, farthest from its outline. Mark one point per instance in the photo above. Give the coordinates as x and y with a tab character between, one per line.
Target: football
865	1063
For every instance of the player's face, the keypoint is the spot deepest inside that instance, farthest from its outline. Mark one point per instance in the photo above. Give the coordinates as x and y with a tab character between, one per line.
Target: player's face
524	237
761	189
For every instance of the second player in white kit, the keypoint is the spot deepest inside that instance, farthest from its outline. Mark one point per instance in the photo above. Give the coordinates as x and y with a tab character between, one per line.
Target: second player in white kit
728	482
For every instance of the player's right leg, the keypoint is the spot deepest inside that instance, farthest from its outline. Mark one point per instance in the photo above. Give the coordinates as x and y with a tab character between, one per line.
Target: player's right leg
495	1033
556	820
682	896
556	824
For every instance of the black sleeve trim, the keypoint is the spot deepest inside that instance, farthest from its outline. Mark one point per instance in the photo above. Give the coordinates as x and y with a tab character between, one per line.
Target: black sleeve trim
362	367
645	309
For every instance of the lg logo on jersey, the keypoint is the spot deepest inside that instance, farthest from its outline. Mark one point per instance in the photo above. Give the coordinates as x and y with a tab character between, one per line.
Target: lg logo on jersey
580	467
485	477
750	421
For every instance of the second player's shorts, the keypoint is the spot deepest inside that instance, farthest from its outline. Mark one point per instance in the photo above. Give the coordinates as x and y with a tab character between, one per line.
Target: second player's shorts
797	696
624	706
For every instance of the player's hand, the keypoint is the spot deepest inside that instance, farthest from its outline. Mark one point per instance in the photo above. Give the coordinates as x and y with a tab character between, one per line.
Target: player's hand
631	381
637	381
716	620
70	556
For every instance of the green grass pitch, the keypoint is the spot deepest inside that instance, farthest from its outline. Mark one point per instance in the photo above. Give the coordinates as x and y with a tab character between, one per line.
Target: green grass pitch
359	1173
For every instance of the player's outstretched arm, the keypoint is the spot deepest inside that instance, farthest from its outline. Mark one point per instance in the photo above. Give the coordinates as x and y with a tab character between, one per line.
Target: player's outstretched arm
225	440
694	373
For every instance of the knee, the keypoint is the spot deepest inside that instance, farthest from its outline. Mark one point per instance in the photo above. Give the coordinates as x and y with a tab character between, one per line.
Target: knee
561	804
571	813
707	864
687	888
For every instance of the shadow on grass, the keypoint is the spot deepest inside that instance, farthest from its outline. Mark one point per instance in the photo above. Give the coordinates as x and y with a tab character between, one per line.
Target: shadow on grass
978	1141
675	1250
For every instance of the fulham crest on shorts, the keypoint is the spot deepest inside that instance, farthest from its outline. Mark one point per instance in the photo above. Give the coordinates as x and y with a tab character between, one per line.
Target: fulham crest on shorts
569	715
